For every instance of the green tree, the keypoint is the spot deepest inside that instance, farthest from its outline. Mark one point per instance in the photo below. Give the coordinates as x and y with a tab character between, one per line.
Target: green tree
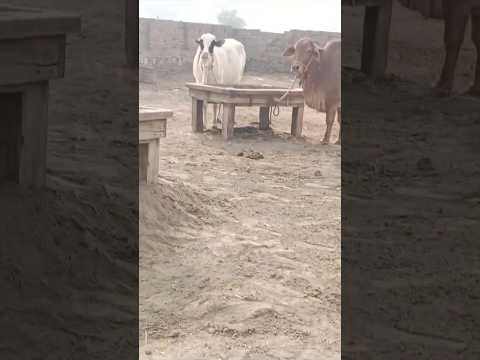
230	17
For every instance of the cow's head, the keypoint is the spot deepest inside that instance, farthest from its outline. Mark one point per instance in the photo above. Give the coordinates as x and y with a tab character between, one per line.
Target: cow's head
207	44
302	54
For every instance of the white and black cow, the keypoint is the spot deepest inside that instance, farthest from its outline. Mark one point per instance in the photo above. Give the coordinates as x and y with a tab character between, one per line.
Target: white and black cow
218	62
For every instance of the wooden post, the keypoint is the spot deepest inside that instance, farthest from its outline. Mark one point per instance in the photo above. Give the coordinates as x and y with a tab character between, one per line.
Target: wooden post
197	115
143	161
297	121
131	33
215	115
149	160
376	30
264	121
33	152
228	121
10	136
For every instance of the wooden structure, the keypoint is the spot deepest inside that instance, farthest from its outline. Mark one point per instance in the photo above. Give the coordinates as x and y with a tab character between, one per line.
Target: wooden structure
131	33
152	126
32	48
244	95
376	32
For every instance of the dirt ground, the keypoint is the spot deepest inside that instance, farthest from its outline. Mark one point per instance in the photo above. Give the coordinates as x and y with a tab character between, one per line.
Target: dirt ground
69	252
410	200
240	257
245	270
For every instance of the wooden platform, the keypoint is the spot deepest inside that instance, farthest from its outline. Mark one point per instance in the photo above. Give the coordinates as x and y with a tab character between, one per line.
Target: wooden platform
32	48
376	32
232	96
152	127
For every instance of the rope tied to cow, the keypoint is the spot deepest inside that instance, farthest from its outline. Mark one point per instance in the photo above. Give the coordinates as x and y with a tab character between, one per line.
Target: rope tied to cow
278	100
297	76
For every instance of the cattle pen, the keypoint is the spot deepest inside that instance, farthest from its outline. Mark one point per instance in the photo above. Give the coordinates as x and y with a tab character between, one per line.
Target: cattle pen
230	96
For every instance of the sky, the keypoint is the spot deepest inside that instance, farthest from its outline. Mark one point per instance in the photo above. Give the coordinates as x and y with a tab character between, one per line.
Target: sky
265	15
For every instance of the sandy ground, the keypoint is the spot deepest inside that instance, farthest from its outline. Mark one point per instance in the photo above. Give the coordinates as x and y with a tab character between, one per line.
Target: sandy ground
69	252
240	258
410	201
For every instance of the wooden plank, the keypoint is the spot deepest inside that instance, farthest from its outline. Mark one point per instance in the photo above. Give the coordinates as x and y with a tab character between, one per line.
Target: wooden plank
228	121
376	30
247	100
153	161
23	22
142	161
197	115
215	114
147	113
31	60
297	121
264	118
10	136
153	129
243	90
33	148
131	33
149	161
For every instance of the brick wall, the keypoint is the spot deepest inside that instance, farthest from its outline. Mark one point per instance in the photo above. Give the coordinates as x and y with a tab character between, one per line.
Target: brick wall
169	46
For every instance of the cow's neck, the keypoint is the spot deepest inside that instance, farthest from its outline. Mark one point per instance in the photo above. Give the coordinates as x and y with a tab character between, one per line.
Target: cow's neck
312	72
209	74
309	83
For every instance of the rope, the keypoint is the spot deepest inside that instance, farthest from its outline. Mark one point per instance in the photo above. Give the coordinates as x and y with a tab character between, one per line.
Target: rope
276	108
277	100
275	111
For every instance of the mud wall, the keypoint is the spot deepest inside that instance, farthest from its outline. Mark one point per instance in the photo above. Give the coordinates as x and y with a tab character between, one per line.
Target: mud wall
169	46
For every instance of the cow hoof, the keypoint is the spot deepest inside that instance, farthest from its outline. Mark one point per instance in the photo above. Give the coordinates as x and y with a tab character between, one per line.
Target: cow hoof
338	142
325	142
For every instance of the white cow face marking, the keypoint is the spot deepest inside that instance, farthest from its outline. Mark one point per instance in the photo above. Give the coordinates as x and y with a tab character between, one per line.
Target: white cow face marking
207	44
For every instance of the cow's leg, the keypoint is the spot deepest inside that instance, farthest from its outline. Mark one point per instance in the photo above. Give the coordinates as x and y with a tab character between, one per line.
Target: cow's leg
475	89
215	106
339	119
330	118
456	17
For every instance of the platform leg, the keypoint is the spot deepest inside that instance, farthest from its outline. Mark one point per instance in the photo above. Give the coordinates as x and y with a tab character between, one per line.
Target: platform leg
228	121
153	161
297	121
264	121
149	161
33	145
142	162
215	115
197	115
376	30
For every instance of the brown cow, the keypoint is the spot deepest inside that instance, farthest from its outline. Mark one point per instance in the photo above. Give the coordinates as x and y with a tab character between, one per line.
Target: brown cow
319	70
455	14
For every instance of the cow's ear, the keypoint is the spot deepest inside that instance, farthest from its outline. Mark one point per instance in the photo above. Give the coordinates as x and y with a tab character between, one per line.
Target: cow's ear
289	51
197	41
219	43
317	50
